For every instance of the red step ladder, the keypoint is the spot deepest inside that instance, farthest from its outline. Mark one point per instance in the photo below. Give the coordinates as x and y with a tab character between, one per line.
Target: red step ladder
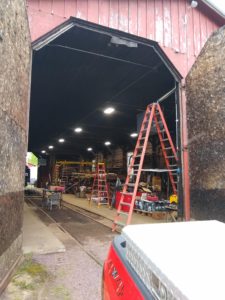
153	114
100	193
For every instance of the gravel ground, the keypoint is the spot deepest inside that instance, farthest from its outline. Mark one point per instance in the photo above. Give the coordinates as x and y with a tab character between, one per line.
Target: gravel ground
73	274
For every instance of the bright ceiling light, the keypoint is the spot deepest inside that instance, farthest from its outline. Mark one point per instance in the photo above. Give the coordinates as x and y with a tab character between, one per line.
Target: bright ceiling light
109	110
78	129
89	149
50	147
43	151
107	143
61	140
134	134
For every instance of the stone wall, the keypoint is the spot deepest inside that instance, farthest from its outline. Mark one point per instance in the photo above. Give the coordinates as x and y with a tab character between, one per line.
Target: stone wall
15	60
205	87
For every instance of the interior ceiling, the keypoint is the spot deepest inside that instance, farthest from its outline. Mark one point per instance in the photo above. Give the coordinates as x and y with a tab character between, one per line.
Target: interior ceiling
71	87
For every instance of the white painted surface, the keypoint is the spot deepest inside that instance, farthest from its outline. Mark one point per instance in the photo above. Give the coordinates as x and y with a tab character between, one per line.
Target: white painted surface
188	256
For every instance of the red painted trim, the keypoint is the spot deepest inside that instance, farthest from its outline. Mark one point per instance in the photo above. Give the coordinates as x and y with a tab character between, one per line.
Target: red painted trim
184	141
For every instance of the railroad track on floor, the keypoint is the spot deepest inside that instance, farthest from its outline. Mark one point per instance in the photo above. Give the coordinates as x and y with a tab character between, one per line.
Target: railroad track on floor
61	227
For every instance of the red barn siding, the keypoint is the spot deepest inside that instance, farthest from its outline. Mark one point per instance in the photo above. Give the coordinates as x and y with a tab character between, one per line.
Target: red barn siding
180	30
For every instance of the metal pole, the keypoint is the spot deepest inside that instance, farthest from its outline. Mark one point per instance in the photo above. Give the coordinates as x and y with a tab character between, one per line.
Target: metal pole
186	179
166	95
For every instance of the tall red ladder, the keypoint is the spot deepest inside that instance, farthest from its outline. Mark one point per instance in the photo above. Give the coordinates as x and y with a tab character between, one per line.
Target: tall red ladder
100	191
154	114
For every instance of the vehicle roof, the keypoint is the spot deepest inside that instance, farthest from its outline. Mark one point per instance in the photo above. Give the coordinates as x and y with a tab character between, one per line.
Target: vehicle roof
188	257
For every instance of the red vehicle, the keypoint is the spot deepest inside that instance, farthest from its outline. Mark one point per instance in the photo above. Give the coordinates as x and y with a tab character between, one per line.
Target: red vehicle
120	281
171	261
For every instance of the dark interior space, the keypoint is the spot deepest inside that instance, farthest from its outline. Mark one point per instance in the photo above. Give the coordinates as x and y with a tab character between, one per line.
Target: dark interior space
83	71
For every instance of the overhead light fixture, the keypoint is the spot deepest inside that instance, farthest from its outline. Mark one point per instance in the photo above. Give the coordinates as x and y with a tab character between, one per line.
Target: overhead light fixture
194	4
118	41
50	147
61	140
134	134
78	129
89	149
43	151
109	110
107	143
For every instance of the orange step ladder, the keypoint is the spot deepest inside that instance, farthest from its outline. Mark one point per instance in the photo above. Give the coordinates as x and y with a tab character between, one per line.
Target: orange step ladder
153	114
100	193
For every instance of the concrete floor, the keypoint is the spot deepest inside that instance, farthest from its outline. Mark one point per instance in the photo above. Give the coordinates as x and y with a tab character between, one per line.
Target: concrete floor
105	212
37	238
72	245
72	274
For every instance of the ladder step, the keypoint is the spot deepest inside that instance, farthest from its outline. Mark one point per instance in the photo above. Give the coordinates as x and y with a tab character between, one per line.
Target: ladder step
136	165
167	148
163	130
123	213
125	203
130	184
119	223
170	156
172	165
127	193
165	140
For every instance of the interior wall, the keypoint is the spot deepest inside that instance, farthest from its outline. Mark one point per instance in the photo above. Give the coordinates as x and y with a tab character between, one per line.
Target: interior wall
14	92
206	127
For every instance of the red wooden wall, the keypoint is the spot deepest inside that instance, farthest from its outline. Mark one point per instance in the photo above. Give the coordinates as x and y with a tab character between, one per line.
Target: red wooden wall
180	30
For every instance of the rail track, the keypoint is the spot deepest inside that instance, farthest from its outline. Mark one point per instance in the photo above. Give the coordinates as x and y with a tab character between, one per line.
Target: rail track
82	227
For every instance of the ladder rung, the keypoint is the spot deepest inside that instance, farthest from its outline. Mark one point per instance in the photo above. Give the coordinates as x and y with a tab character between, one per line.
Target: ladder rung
130	184
170	156
172	165
135	165
119	223
125	203
127	193
163	130
167	148
139	155
165	140
123	213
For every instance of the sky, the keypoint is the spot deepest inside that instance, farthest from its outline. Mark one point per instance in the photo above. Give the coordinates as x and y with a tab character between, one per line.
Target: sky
220	4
